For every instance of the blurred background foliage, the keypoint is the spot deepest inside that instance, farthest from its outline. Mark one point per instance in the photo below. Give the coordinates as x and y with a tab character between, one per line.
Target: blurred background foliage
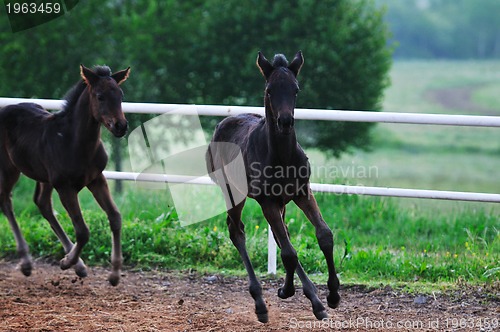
444	29
204	52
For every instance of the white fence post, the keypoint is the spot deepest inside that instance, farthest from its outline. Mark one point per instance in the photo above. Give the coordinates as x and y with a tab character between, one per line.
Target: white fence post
271	252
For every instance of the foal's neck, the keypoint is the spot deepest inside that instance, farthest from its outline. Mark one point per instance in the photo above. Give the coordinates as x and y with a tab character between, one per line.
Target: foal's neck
283	147
86	130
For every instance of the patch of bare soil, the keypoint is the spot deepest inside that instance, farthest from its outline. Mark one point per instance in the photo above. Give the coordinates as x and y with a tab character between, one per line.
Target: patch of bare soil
459	99
55	300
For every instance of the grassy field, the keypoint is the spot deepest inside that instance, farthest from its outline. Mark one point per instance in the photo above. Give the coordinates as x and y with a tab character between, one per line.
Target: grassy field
379	240
427	156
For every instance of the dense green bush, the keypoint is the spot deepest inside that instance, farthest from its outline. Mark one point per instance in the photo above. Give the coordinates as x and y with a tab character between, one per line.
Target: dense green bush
346	60
204	52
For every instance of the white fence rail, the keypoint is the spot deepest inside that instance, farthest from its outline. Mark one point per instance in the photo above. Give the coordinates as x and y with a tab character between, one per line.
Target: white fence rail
306	114
300	113
309	114
321	187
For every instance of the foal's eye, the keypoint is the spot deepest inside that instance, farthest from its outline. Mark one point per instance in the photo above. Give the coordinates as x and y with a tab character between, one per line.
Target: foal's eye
100	97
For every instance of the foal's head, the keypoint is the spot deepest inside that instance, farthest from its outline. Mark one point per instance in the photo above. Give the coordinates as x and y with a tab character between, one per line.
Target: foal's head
106	97
281	89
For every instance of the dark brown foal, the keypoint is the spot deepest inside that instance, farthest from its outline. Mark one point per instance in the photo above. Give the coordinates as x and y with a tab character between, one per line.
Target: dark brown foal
277	171
64	151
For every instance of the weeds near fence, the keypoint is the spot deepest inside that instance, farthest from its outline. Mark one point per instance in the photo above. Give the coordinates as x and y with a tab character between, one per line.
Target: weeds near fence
376	239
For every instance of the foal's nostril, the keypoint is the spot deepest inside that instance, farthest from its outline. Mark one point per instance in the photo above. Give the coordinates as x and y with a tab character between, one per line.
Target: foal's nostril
285	121
121	127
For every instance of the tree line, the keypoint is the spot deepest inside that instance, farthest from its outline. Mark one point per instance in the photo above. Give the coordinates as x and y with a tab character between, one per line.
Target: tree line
445	29
203	52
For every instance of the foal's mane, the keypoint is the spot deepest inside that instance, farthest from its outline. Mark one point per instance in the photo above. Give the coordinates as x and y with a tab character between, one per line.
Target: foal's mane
71	97
280	60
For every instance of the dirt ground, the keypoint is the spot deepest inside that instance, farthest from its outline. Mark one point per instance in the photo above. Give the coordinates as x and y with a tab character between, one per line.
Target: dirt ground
55	300
459	99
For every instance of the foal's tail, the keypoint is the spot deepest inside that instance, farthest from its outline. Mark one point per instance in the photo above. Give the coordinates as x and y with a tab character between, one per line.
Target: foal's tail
209	156
209	160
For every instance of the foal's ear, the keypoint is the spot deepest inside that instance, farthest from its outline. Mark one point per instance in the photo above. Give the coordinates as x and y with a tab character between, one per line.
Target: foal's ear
296	63
266	68
88	76
121	76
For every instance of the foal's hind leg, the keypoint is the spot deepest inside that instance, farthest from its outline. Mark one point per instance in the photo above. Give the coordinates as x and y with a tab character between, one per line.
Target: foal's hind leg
307	203
8	177
274	215
43	199
100	190
237	235
69	199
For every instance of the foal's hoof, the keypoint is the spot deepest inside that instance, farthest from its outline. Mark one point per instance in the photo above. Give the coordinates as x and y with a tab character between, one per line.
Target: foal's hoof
333	300
263	317
65	263
320	315
114	278
25	268
80	269
285	294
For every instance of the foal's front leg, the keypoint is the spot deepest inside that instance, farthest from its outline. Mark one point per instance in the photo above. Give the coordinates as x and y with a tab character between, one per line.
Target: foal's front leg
288	288
274	214
100	190
307	203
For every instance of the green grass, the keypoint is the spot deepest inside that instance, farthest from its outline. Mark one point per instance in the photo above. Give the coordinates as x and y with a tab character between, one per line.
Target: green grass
412	79
381	240
487	96
411	84
375	239
428	156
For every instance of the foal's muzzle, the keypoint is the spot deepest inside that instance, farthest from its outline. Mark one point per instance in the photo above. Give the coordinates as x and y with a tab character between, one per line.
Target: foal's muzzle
119	128
285	124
